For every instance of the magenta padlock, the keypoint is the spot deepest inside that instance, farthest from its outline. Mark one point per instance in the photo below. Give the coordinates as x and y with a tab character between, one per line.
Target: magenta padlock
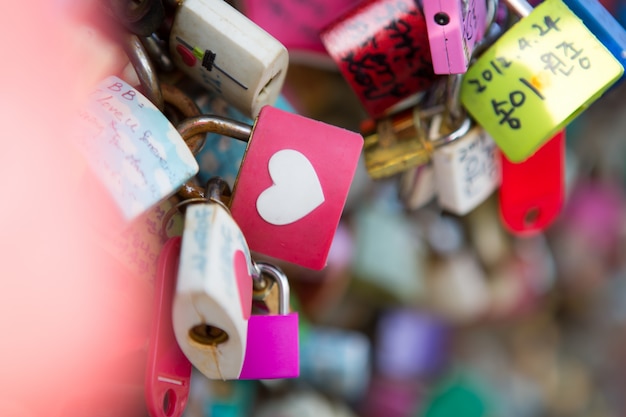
293	182
272	349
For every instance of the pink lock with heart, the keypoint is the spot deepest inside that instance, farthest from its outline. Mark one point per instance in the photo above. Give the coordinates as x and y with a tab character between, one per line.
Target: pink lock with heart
293	182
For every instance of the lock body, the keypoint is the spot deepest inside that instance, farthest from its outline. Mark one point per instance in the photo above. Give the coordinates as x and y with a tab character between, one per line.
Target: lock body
272	351
467	171
292	186
297	25
398	144
228	54
213	293
381	48
538	76
132	148
454	28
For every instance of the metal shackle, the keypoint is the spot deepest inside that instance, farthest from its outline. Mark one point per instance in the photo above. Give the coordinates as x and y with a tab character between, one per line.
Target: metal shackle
453	112
214	124
193	126
144	68
216	188
279	278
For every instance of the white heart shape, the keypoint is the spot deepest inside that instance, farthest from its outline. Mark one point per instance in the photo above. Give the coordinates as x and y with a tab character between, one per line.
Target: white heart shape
296	191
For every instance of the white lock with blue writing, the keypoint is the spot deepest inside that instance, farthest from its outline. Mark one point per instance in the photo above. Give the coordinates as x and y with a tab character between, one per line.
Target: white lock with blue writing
227	53
132	148
213	299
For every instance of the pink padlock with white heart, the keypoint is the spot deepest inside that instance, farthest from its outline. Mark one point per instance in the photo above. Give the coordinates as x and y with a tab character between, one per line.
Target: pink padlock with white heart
293	182
272	351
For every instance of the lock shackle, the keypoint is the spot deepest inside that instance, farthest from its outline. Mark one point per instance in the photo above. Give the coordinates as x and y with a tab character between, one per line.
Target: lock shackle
157	52
209	124
214	124
458	133
453	107
520	7
146	72
216	188
188	108
280	278
492	12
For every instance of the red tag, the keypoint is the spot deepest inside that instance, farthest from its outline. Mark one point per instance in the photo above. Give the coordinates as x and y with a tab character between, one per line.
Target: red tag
168	370
531	194
381	48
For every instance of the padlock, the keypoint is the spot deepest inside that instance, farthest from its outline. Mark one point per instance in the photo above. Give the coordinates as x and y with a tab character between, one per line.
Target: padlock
272	350
543	72
297	25
213	298
400	143
290	191
454	28
466	171
397	144
381	49
132	148
228	54
532	192
168	371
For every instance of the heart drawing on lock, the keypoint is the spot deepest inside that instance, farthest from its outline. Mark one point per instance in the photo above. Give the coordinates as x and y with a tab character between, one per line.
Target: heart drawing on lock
296	191
244	283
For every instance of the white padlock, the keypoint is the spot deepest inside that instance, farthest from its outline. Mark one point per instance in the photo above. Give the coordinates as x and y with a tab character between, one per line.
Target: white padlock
467	170
131	147
228	54
213	299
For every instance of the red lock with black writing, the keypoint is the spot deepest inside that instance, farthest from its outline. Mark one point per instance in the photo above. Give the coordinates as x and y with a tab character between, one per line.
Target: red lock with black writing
381	48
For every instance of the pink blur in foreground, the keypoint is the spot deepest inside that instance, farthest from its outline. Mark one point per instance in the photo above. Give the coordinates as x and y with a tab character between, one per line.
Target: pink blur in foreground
71	319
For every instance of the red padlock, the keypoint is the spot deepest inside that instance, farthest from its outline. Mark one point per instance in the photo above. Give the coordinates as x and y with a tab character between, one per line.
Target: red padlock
381	47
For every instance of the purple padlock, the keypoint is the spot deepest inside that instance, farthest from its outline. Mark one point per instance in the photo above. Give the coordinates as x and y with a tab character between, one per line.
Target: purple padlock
272	348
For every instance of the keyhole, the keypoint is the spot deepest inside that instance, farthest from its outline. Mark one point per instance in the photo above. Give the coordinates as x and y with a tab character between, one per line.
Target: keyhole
265	90
207	335
169	402
531	217
442	19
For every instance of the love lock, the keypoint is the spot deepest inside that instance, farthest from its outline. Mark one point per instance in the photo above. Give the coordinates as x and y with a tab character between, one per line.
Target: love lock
292	186
272	349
